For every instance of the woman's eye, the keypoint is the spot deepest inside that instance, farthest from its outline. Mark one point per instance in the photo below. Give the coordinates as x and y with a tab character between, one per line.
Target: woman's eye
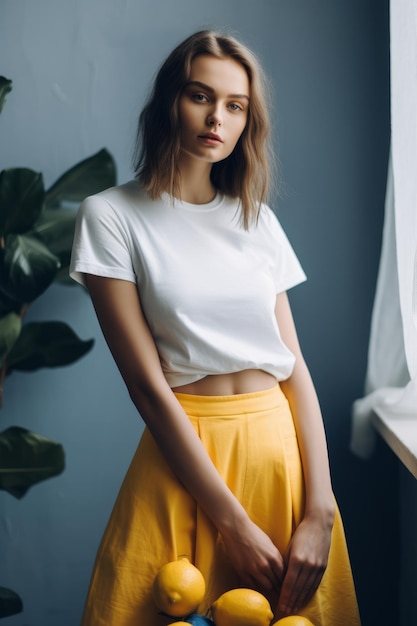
199	97
235	107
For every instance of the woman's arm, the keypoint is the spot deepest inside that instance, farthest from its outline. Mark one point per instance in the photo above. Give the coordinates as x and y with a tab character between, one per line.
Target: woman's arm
128	336
307	554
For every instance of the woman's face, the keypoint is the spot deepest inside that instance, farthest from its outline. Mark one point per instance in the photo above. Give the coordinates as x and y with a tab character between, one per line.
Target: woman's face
213	108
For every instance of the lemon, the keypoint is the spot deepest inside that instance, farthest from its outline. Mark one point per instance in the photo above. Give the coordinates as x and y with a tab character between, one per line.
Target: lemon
241	607
178	588
294	620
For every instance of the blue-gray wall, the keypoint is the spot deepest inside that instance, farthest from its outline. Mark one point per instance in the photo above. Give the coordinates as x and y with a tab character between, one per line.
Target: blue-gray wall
81	69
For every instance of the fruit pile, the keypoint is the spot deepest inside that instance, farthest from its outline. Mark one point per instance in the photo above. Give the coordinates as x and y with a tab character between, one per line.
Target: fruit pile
179	587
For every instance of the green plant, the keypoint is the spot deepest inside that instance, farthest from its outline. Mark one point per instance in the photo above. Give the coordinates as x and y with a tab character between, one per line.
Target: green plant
36	232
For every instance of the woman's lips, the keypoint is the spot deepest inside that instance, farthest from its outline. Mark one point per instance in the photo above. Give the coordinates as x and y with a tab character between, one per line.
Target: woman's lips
211	138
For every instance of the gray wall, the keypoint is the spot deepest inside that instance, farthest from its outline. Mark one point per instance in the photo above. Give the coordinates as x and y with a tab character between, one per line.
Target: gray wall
81	69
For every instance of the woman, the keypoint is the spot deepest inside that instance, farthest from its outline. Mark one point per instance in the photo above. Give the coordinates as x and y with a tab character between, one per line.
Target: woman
188	272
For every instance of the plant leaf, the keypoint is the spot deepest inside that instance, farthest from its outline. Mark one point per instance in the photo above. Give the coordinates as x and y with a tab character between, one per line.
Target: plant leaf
27	458
10	603
10	327
21	199
7	303
5	88
46	344
55	229
63	278
87	177
27	268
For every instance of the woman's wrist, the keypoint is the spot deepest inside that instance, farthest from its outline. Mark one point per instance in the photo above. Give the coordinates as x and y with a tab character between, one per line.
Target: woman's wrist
230	519
324	512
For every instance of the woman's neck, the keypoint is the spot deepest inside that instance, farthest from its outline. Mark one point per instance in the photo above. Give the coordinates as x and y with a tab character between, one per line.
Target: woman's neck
195	184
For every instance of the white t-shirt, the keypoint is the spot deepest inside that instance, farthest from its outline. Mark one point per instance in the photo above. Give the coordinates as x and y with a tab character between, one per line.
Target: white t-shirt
207	286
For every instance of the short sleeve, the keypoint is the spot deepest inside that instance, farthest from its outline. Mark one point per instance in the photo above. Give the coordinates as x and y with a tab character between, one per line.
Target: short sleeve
287	271
101	245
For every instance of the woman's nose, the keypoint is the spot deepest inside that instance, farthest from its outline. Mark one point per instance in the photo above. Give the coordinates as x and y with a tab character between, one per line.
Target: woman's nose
214	118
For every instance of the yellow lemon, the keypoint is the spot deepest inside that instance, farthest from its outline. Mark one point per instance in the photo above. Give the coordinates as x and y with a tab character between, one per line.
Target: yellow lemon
178	588
294	620
242	607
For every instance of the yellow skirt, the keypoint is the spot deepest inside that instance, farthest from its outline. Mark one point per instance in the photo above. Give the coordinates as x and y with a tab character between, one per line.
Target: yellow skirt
252	442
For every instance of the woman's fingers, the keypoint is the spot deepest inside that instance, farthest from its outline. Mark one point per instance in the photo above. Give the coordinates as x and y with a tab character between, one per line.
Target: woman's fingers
257	560
306	563
271	575
263	574
300	584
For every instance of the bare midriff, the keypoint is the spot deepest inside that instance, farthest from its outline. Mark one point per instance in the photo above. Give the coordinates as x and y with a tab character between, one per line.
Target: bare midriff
246	381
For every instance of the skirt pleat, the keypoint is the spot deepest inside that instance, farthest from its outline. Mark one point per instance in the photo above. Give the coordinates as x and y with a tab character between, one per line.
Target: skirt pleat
252	442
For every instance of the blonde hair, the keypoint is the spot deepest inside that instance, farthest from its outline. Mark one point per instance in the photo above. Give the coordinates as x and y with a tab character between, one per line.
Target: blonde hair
246	173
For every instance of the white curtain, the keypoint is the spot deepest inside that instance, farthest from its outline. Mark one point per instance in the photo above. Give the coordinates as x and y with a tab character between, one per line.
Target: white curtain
391	380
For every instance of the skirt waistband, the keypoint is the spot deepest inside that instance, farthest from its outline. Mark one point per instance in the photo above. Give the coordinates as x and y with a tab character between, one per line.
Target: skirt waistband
211	406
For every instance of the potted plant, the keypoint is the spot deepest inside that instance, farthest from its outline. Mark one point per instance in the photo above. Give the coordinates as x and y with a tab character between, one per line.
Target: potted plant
36	232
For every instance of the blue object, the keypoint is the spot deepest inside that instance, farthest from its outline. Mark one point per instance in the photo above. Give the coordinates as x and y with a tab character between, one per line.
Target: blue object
198	620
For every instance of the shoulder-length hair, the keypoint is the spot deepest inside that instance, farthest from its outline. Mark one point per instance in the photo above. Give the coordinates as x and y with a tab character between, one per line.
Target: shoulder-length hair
246	173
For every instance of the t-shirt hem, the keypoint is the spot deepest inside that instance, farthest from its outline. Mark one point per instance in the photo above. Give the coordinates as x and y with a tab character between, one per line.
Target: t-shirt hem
291	282
77	273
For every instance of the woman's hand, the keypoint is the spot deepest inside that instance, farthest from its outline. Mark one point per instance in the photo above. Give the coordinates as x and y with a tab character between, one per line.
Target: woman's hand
255	558
306	561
